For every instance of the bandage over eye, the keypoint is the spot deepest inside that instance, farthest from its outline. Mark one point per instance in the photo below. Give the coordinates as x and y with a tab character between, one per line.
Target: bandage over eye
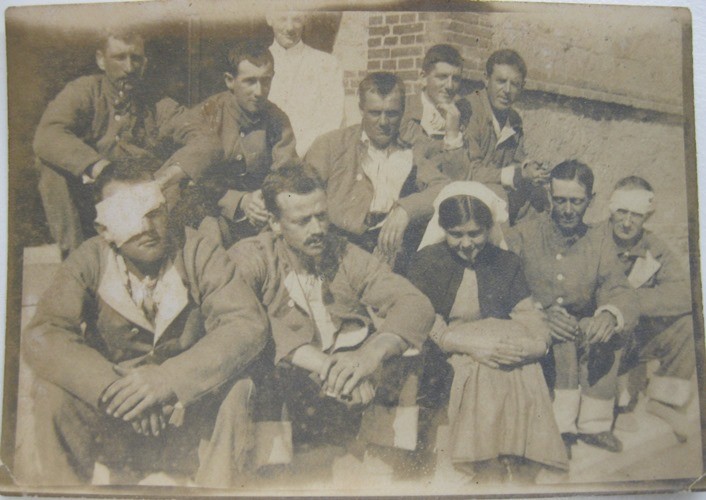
123	214
637	201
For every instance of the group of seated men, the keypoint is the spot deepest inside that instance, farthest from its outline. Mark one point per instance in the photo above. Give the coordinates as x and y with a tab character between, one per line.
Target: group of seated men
231	285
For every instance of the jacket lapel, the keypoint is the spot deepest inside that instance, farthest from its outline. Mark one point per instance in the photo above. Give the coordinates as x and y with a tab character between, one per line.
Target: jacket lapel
113	292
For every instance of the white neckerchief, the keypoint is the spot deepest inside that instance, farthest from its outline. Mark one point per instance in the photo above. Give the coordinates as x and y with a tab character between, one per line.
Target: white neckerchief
433	122
387	170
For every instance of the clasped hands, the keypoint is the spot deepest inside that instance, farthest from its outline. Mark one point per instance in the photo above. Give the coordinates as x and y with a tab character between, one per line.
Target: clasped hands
345	376
566	328
391	234
141	396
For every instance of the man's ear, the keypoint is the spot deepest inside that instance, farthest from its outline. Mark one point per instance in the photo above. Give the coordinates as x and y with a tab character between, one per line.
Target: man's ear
486	79
230	80
100	229
100	59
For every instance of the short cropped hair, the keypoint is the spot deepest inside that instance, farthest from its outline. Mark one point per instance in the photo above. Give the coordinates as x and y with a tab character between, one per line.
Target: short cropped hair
127	170
127	34
293	177
508	57
441	53
461	209
382	84
254	51
571	170
635	182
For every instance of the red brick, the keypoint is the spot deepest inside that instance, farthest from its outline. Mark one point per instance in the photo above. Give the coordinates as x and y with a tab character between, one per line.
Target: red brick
419	38
375	20
407	39
404	29
418	62
379	53
408	18
374	42
406	63
373	65
424	16
391	40
389	65
468	17
462	40
379	31
350	91
392	19
349	74
406	52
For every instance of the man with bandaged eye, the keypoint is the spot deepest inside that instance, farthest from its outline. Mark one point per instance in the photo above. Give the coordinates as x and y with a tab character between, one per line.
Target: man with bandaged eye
140	348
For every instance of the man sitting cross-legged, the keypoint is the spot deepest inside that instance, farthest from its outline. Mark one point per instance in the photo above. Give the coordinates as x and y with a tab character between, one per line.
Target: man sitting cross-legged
339	318
140	348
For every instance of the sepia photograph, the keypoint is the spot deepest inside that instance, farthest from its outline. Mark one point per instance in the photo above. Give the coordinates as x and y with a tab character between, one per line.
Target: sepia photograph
313	248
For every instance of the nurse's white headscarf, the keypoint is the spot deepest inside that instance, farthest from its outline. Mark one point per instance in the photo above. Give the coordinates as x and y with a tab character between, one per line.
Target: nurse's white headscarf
498	209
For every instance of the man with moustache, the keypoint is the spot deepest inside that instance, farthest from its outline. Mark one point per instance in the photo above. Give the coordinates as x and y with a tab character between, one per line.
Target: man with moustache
140	348
492	149
574	274
98	118
308	83
665	331
340	320
256	137
380	193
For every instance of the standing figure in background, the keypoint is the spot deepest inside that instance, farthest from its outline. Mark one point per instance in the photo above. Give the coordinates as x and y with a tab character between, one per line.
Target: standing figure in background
666	328
493	141
256	137
102	117
380	194
308	83
572	271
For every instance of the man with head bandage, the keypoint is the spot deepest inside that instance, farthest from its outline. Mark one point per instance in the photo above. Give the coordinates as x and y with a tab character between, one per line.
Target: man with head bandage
665	331
140	347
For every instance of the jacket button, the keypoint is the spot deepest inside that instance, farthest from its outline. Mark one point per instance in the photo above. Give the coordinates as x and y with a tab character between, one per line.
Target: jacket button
290	303
239	157
135	331
560	277
559	256
359	177
560	300
242	134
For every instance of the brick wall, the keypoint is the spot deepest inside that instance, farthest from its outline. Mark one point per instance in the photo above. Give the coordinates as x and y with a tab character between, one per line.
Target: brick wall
619	58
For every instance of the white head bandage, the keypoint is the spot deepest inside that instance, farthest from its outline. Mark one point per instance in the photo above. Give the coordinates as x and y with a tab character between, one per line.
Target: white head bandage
498	208
123	214
634	200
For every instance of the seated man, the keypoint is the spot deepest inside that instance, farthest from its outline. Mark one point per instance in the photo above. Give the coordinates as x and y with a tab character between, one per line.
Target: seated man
101	117
573	273
140	348
666	329
492	147
256	137
340	319
375	185
438	116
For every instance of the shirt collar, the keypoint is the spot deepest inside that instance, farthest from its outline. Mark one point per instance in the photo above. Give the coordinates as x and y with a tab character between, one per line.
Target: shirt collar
391	148
245	120
432	120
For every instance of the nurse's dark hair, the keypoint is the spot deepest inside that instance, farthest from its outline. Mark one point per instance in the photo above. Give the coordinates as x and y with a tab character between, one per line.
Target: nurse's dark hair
461	209
126	170
571	170
293	177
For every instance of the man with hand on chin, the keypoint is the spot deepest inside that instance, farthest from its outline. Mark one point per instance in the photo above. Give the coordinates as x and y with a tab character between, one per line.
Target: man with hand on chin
320	293
140	348
666	330
573	272
380	192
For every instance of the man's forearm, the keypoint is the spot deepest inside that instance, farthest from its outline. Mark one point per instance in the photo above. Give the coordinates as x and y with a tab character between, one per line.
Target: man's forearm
309	358
384	345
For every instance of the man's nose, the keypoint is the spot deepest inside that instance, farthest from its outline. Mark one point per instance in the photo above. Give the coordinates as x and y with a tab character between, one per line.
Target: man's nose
315	226
627	221
466	242
449	83
257	89
384	120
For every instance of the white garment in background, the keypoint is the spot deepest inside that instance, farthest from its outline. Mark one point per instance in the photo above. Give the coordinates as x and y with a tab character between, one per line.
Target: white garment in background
308	87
